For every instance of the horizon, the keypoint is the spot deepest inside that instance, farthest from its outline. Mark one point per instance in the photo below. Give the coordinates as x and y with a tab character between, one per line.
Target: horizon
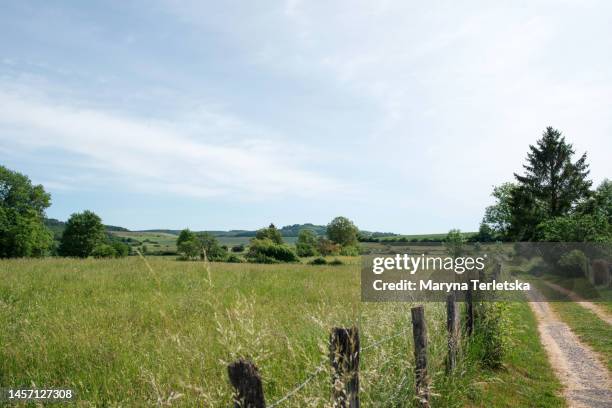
218	117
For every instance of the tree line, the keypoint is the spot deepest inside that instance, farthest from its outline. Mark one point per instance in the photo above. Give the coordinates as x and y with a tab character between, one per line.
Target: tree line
23	232
268	246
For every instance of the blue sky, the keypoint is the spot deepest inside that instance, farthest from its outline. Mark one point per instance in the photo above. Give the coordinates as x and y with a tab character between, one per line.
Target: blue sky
226	115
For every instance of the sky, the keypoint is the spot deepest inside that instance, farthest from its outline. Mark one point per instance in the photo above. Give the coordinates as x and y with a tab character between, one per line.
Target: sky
401	115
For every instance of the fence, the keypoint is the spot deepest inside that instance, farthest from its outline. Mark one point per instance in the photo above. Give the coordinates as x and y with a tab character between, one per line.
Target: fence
344	355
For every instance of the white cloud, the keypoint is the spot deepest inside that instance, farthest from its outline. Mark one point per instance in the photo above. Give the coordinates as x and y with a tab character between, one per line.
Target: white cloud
211	156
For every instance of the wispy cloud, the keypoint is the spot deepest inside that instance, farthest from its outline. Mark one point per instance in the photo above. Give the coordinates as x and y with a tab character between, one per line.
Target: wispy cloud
210	156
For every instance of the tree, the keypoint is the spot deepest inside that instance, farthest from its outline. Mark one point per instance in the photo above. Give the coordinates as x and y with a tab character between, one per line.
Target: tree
190	249
342	231
576	228
210	245
22	211
271	233
84	231
185	235
498	217
551	178
600	202
455	243
306	244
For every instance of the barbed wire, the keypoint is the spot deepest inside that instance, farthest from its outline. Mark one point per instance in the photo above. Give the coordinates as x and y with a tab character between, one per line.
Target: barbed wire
322	366
386	339
295	390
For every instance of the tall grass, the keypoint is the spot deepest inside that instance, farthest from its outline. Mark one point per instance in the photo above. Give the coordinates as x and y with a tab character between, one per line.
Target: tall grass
119	333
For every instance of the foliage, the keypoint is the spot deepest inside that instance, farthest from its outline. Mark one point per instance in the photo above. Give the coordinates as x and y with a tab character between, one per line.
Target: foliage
22	210
306	244
190	249
210	245
336	261
573	263
184	236
351	250
238	248
121	249
267	251
485	234
492	334
233	259
576	228
455	243
270	233
327	247
104	251
84	231
551	187
318	261
342	231
498	217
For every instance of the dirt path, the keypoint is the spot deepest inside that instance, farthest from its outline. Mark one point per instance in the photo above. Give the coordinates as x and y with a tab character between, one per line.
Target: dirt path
602	314
586	380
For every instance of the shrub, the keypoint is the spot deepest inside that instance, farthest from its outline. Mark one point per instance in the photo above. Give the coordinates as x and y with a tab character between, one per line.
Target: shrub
573	263
318	261
492	337
351	250
264	250
104	251
121	249
306	244
233	259
336	261
238	248
327	247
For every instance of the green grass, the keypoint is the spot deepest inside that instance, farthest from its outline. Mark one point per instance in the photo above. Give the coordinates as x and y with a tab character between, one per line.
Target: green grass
120	334
582	287
527	378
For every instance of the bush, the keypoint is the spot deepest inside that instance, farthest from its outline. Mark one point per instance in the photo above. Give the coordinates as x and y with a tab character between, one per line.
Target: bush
238	248
306	244
233	259
492	337
351	250
104	251
265	250
121	249
318	261
327	247
573	263
336	261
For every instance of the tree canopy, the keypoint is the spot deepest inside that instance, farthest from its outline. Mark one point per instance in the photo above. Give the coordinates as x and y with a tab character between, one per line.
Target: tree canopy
22	211
84	231
342	231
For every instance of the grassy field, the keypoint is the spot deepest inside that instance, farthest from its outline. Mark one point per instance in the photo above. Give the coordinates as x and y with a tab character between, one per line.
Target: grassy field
120	333
162	242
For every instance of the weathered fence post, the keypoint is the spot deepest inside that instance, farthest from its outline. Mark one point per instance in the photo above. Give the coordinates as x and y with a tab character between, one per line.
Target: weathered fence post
244	377
469	301
419	332
344	357
452	326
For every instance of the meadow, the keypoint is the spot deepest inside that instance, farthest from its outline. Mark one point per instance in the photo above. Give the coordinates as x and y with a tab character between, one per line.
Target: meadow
156	331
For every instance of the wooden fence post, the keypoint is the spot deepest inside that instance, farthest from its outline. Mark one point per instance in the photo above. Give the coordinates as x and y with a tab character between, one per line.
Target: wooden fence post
419	332
344	356
452	326
469	300
245	378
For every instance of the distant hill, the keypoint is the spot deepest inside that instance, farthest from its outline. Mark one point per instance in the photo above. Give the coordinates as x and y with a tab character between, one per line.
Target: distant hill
286	231
57	227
